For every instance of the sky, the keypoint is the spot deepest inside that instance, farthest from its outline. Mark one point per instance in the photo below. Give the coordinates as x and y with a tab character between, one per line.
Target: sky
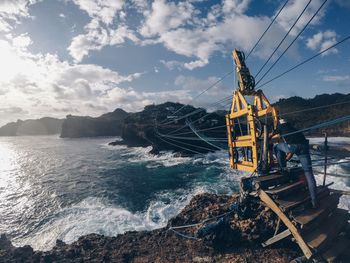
88	57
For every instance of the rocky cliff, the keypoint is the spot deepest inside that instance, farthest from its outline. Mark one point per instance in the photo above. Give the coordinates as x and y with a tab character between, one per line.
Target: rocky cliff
148	127
109	124
43	126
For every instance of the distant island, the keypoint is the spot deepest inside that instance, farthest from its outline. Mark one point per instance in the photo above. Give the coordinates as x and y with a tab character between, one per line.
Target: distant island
147	127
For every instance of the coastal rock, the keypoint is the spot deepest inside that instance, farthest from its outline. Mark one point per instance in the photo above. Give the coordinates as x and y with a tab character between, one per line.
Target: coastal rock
238	240
158	125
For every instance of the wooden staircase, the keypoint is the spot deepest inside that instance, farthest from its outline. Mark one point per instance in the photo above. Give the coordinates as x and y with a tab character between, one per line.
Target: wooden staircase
318	232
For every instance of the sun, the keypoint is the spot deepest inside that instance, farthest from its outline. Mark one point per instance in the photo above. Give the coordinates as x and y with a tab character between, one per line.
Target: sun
12	62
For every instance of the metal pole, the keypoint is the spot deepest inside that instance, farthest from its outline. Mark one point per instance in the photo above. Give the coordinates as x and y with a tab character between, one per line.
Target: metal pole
265	152
325	158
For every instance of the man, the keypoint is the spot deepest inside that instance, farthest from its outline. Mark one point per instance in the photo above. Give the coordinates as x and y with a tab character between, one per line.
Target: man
291	143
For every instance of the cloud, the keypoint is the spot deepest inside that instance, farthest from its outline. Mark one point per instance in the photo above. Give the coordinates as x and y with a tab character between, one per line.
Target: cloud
199	35
100	32
336	78
165	16
11	11
22	41
195	86
183	28
323	40
45	85
132	100
102	10
293	9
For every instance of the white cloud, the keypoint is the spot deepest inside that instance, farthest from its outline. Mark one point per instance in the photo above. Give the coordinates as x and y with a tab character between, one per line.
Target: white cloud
172	64
102	10
323	40
44	85
165	16
22	41
196	86
293	9
336	78
100	31
186	30
198	36
11	11
235	6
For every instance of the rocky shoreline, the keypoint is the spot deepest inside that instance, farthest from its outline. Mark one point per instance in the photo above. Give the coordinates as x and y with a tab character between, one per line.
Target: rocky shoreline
236	239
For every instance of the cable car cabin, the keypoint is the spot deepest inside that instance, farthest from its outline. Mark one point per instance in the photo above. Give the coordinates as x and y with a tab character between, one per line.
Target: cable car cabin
250	114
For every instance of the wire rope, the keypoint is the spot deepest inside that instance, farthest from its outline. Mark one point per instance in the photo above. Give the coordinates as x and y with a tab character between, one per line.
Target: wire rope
297	36
285	36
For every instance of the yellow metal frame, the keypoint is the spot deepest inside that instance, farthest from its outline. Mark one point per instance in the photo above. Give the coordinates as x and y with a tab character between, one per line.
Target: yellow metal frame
241	108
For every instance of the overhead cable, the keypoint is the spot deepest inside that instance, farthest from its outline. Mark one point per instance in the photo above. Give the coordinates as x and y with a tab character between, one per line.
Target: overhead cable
263	34
285	36
291	43
305	61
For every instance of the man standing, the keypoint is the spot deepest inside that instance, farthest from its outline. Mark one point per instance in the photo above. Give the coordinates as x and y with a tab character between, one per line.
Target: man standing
290	143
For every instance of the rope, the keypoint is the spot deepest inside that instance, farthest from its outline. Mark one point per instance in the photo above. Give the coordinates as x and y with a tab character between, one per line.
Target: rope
305	61
183	235
321	125
174	228
211	86
290	29
263	34
208	129
203	138
291	43
191	138
192	145
178	146
198	110
331	163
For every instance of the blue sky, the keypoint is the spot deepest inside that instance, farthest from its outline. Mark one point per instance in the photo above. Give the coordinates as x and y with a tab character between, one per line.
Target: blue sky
87	57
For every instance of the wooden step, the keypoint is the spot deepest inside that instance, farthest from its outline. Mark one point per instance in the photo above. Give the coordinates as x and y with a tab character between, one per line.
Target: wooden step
327	230
276	179
326	205
284	188
291	201
339	245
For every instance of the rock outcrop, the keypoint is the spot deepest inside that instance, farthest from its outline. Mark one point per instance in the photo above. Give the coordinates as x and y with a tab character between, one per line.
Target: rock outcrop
109	124
156	124
238	239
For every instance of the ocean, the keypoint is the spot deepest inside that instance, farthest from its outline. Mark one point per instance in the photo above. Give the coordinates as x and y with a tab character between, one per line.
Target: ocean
53	188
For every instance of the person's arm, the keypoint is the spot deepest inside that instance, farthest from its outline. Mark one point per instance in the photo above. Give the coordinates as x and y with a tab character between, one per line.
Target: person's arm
289	156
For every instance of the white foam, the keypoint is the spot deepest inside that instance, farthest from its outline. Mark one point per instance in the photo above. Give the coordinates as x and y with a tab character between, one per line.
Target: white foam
94	215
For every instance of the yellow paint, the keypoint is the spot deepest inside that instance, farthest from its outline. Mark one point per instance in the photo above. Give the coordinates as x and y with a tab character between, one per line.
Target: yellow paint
249	143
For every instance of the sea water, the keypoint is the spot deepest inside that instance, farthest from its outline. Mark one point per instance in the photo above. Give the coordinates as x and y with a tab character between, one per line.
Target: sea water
53	188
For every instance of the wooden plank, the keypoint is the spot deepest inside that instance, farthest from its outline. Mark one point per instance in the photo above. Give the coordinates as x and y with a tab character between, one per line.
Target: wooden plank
277	178
339	245
276	238
284	188
326	205
289	202
273	206
328	230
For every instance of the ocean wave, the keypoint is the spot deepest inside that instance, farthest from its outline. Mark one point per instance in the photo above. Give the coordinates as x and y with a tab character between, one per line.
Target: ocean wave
96	215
